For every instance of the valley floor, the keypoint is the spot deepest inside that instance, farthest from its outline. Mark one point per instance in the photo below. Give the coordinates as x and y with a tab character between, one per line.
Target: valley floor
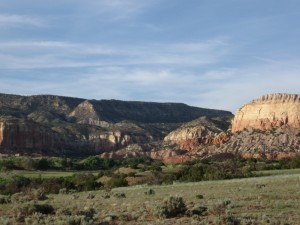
273	199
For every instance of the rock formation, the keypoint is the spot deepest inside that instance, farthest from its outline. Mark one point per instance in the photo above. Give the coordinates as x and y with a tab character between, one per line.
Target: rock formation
276	143
268	127
47	124
196	134
21	136
267	112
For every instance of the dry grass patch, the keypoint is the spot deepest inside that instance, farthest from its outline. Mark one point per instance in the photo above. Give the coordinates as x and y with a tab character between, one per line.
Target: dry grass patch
262	200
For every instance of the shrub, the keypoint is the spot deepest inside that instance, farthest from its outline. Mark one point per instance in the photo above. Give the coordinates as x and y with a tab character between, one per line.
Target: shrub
199	196
95	163
22	211
149	192
43	164
221	208
117	182
20	197
106	195
134	162
197	210
120	195
4	199
154	168
90	196
36	194
63	191
44	208
169	178
171	207
14	184
27	163
85	182
191	174
7	221
86	214
7	164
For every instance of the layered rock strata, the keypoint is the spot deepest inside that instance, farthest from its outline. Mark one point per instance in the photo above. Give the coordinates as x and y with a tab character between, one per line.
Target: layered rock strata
24	136
269	111
276	143
196	134
49	125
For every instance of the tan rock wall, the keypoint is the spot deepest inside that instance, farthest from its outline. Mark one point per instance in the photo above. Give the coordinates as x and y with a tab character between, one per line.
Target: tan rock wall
269	111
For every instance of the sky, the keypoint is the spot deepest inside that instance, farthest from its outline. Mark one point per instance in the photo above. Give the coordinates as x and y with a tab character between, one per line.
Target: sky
216	54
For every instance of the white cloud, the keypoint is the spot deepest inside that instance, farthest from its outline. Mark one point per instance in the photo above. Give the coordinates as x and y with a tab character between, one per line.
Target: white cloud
113	10
226	89
53	54
17	20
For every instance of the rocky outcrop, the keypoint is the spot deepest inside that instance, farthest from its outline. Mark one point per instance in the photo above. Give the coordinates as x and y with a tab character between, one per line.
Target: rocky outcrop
273	110
85	113
265	128
196	134
280	142
268	127
47	124
165	155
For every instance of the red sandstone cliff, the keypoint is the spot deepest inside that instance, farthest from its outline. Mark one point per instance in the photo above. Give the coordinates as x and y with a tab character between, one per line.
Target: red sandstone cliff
19	136
24	136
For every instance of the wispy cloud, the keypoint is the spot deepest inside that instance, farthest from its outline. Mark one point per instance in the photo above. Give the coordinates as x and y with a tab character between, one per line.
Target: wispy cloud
150	50
51	54
225	89
7	20
112	10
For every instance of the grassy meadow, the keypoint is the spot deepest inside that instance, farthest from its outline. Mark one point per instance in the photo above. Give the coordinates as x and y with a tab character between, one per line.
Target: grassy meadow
272	199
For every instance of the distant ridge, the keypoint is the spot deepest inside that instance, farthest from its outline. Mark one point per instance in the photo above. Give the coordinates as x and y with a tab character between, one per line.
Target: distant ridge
55	125
110	110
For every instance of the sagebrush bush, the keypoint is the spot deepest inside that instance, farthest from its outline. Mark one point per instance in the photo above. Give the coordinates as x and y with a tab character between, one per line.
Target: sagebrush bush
7	221
38	219
90	196
63	191
149	192
197	210
20	197
77	211
4	199
120	195
21	211
221	207
36	194
199	196
171	207
115	182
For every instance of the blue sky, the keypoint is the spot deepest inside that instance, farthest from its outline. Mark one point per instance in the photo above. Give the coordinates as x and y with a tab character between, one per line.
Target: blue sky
207	53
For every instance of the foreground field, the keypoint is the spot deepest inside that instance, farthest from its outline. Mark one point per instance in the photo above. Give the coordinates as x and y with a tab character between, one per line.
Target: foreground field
264	200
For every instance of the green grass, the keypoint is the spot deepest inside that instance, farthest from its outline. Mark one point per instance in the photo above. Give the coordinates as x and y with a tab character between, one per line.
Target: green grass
274	198
43	174
277	172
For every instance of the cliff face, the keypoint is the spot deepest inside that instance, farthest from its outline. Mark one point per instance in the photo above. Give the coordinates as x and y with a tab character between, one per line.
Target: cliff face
196	134
269	111
21	136
268	127
47	124
53	125
25	136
